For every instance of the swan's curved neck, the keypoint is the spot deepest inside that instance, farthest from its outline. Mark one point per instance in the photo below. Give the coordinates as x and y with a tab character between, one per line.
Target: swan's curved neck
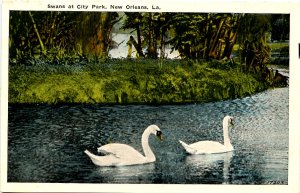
226	134
149	155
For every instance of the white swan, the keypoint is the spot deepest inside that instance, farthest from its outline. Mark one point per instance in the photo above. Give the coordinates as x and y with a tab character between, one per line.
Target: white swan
121	154
210	147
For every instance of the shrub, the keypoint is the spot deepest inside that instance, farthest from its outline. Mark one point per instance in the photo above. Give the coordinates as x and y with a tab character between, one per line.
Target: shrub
130	81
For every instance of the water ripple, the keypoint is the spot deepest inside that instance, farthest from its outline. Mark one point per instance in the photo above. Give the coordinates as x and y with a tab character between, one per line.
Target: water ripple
46	143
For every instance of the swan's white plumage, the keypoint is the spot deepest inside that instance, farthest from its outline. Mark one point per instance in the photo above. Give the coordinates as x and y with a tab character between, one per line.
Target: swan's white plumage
205	147
121	151
121	154
211	147
116	155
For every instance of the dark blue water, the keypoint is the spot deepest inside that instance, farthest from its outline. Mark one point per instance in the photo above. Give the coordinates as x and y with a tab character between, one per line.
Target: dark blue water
46	143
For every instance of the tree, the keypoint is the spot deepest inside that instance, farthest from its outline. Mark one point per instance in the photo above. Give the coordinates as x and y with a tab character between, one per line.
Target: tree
94	33
41	34
134	21
253	36
53	35
43	50
280	26
19	35
151	30
204	35
188	38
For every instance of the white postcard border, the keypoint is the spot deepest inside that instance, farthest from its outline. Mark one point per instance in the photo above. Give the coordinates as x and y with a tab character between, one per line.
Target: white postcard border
291	7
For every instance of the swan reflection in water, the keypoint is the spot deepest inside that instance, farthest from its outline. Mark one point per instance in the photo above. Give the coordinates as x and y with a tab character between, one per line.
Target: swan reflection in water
205	165
125	174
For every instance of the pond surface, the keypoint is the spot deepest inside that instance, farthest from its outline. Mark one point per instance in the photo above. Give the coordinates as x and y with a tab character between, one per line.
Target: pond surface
121	51
46	143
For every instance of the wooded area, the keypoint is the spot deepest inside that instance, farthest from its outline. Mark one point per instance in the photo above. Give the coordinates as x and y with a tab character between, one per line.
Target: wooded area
52	49
60	35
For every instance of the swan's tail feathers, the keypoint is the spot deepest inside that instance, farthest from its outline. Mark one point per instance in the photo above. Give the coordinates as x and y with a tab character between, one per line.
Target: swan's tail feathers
109	160
187	147
87	152
95	159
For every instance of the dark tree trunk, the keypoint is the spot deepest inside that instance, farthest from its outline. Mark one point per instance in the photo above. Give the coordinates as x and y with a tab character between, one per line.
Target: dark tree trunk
95	34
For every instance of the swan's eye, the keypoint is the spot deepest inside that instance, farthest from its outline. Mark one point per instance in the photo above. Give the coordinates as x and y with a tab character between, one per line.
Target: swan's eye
159	134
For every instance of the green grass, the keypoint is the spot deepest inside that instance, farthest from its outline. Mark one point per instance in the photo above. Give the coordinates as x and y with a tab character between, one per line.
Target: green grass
274	46
130	82
278	45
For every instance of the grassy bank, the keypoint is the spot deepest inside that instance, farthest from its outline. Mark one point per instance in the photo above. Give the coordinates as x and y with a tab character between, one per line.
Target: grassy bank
130	82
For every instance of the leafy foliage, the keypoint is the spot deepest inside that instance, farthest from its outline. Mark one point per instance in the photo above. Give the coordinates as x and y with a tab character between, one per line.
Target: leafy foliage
130	82
206	35
280	27
56	30
253	42
56	35
63	57
151	32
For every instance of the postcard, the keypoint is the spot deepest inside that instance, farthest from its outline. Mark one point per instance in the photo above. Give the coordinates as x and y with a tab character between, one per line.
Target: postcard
150	96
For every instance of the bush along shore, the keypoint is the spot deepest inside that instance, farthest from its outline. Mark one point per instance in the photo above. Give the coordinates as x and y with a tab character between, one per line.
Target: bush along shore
126	81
